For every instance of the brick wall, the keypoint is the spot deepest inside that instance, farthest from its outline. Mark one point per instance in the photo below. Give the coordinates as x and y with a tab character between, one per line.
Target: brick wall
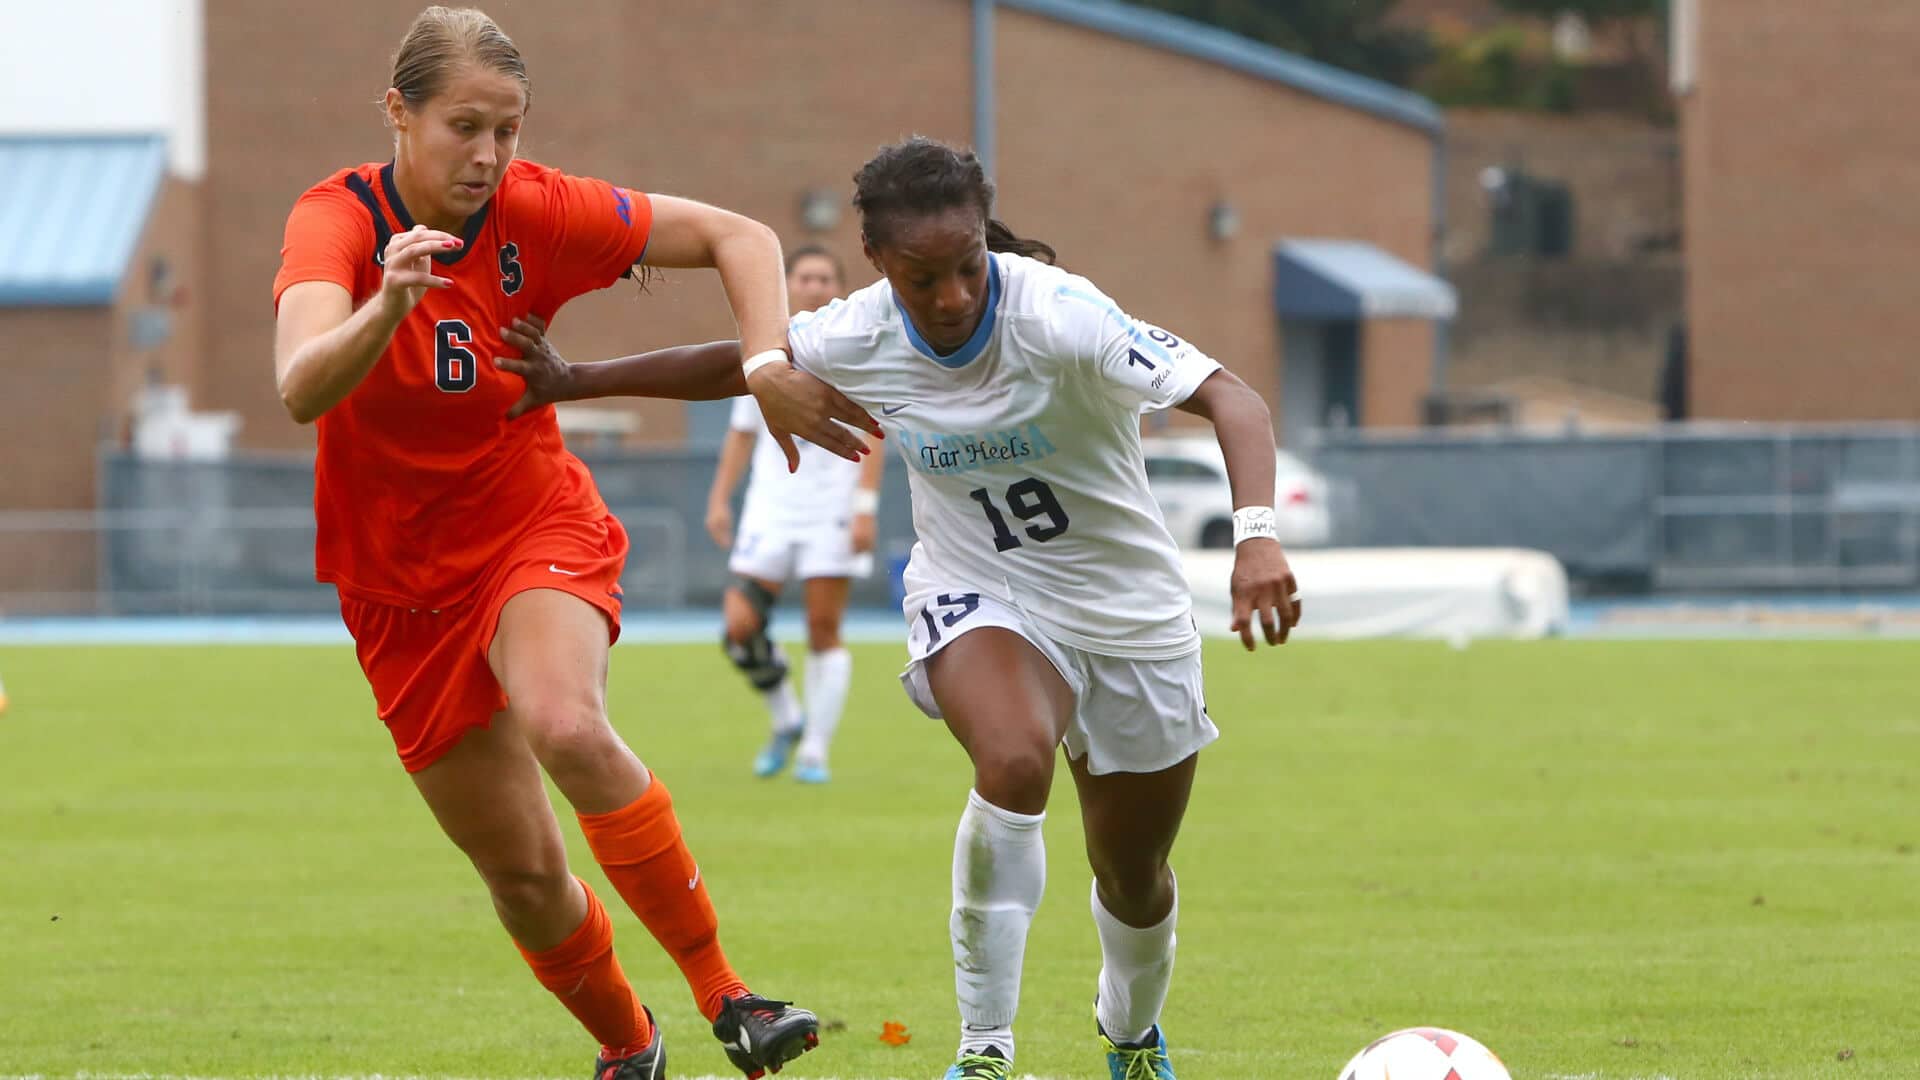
1113	151
1803	234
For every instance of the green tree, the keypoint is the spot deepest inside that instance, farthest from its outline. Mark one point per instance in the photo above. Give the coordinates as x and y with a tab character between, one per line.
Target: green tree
1349	34
1594	11
1644	21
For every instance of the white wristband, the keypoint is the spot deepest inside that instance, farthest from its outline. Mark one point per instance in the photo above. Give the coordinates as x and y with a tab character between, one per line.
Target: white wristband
865	502
1253	521
762	359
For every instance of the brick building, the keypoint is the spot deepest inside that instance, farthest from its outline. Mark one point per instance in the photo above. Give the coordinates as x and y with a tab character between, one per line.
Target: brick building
1123	137
1802	236
1165	159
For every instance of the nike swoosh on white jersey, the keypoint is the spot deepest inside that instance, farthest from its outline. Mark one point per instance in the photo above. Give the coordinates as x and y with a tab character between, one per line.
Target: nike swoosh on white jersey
889	410
570	573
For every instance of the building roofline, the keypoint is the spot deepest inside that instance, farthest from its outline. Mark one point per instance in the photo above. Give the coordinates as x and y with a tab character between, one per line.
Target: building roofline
1230	50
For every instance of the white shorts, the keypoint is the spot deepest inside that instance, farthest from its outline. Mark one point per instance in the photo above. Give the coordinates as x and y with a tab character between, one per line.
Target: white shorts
775	554
1131	716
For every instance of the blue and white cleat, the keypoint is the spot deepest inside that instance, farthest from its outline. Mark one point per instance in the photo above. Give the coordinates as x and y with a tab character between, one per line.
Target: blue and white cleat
1144	1060
811	772
775	755
989	1064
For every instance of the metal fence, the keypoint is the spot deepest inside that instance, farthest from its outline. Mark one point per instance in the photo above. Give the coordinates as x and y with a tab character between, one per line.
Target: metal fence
1684	507
237	537
1690	506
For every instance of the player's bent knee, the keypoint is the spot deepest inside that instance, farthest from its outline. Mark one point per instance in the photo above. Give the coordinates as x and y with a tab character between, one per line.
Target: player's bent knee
741	628
526	892
566	728
823	632
759	659
743	620
1014	778
1136	876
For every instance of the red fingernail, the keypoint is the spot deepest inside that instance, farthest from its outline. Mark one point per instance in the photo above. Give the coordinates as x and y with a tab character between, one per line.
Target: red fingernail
449	243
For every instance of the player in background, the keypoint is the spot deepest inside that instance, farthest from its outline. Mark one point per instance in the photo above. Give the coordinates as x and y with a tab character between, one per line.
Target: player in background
1046	601
814	525
477	567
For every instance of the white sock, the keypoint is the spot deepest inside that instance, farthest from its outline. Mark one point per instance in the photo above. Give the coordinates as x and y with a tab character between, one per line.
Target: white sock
1135	967
828	676
999	874
783	705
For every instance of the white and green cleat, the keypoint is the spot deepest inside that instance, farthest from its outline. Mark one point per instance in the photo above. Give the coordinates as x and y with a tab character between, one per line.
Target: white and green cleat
989	1064
1144	1060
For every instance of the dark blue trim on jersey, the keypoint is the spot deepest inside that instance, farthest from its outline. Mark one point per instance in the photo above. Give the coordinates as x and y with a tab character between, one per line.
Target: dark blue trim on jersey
639	260
966	353
382	231
468	233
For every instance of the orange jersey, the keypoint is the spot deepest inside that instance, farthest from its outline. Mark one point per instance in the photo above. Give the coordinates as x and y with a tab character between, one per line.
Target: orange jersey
421	482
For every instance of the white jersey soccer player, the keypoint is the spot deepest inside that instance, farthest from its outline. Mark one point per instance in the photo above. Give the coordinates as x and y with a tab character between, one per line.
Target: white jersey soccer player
1029	489
1046	602
797	525
813	525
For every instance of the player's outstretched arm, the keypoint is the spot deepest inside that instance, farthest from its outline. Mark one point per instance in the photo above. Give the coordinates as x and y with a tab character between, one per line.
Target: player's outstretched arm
747	254
684	372
1263	584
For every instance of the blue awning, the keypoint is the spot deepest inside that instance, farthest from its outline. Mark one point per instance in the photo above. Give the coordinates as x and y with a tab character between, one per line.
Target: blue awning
1348	279
72	210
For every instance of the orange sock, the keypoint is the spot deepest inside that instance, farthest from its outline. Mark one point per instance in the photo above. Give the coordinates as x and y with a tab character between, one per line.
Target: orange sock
585	975
640	848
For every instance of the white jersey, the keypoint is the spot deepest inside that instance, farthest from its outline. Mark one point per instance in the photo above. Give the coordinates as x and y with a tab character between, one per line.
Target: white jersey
1024	449
821	493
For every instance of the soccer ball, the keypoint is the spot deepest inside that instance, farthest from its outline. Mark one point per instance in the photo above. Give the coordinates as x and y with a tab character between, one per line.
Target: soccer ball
1425	1053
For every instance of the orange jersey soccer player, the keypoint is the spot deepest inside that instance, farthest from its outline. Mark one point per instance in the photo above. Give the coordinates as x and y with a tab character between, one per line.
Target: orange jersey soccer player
477	567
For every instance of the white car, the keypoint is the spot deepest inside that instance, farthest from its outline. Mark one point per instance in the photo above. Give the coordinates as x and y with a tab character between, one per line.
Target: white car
1188	478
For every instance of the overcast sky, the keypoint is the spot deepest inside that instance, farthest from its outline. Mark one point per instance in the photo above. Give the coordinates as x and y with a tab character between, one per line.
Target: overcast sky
105	65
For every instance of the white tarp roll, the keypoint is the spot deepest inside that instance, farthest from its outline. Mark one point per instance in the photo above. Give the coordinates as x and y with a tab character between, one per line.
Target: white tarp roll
1455	594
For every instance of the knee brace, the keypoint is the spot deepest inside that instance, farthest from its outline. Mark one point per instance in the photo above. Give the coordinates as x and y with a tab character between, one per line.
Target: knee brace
758	658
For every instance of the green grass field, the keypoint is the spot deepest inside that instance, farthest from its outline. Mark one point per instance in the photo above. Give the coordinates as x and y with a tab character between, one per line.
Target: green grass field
1606	860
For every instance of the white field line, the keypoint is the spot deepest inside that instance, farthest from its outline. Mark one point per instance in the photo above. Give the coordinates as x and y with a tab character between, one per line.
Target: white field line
384	1076
1596	1076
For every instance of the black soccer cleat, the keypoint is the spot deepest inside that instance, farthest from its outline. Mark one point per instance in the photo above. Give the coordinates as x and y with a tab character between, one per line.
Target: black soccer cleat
761	1035
648	1064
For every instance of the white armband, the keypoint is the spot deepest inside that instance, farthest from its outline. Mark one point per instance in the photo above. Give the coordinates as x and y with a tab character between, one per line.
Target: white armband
1253	521
762	359
865	501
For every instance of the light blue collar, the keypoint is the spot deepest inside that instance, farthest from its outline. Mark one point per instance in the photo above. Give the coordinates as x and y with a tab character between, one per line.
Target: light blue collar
966	353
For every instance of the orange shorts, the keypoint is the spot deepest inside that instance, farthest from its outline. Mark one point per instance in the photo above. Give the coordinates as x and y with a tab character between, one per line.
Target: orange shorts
429	671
